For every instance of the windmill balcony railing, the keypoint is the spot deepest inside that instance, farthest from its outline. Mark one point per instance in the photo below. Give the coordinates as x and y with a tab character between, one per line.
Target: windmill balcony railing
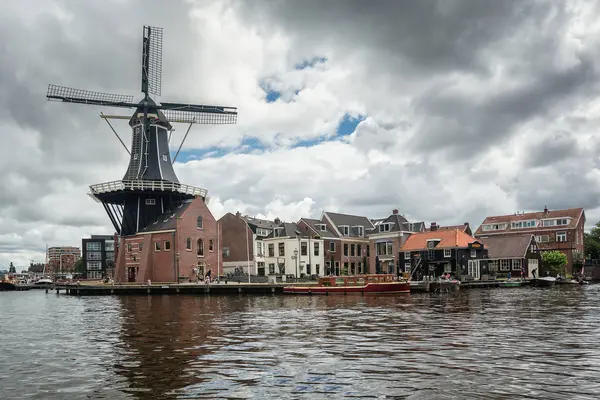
115	186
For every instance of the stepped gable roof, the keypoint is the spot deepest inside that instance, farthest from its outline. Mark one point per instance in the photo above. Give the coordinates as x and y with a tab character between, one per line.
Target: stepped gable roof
327	233
574	213
167	220
503	246
448	239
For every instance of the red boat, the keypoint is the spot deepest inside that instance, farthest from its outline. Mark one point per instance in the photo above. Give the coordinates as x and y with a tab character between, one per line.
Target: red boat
369	284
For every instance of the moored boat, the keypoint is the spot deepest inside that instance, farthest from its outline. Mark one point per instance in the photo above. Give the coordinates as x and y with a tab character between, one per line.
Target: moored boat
6	286
364	284
511	284
545	281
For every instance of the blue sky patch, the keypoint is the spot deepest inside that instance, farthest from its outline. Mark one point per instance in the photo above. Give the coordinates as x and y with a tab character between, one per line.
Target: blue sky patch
249	145
346	127
310	64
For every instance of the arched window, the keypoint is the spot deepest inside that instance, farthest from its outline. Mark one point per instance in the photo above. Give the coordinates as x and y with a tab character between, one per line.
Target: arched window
188	244
210	245
199	223
200	248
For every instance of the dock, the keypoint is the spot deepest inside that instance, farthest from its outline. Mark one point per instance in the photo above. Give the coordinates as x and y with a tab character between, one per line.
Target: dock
236	288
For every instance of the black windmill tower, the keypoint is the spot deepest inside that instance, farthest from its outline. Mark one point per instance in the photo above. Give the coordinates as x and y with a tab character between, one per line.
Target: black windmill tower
150	186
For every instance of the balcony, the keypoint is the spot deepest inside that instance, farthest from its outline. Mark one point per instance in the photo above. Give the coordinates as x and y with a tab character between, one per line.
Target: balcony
143	185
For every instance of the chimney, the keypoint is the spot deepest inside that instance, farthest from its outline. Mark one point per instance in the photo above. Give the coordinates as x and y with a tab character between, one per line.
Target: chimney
238	214
277	221
395	211
433	227
466	223
545	209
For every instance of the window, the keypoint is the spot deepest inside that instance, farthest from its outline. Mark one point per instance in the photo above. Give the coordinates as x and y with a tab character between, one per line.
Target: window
156	246
150	202
93	255
210	245
562	221
94	275
281	249
199	223
473	253
561	236
164	157
321	227
345	230
360	231
383	249
447	268
129	247
109	245
200	245
316	251
447	253
407	255
188	244
318	269
226	252
332	247
516	265
262	232
352	249
271	269
504	265
406	267
384	227
542	239
345	249
167	245
359	250
303	249
271	250
432	243
93	246
140	246
493	265
94	265
523	224
430	254
259	248
494	227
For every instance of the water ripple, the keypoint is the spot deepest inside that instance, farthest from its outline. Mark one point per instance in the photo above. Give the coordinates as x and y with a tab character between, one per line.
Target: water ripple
488	344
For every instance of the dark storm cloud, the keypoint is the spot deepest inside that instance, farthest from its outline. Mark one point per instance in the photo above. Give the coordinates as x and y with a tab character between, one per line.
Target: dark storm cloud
552	149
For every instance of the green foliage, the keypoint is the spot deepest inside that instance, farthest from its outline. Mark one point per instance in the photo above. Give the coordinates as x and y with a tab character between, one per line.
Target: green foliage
592	242
554	262
79	266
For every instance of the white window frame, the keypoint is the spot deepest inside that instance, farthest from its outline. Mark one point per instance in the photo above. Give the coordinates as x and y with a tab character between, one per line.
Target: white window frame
385	227
157	245
473	253
516	264
561	236
447	253
447	267
540	238
150	202
407	255
504	265
93	246
407	267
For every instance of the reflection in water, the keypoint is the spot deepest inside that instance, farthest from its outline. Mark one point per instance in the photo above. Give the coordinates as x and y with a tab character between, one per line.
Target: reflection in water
503	343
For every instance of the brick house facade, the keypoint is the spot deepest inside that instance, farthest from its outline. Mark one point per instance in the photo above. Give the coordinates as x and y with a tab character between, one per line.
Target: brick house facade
560	230
176	247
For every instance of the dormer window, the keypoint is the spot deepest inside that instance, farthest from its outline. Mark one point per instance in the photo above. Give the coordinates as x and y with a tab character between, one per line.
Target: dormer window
321	227
432	243
385	227
360	230
345	229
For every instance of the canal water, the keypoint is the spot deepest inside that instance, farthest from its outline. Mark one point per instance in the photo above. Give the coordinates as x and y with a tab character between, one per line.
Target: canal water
474	344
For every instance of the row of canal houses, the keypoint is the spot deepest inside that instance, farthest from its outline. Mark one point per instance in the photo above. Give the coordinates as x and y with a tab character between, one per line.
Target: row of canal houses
343	244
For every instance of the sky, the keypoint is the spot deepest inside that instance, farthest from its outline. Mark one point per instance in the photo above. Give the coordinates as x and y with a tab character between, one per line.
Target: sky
446	110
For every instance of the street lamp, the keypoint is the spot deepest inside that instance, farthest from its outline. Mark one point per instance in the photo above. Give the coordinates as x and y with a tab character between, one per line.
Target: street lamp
295	257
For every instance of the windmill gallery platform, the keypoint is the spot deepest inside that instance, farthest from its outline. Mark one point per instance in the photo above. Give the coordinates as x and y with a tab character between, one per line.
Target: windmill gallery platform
230	288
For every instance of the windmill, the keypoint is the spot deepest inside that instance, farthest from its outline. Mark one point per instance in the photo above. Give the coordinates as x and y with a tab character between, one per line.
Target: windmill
149	187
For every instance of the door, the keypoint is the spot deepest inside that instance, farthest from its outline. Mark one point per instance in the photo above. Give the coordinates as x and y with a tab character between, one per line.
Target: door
473	269
532	265
131	274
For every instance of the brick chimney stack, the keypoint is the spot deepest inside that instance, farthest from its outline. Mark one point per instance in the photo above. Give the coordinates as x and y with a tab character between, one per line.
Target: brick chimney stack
545	209
395	211
433	227
238	214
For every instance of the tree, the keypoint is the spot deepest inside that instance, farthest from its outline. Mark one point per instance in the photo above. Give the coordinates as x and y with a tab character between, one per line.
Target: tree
554	262
79	266
591	242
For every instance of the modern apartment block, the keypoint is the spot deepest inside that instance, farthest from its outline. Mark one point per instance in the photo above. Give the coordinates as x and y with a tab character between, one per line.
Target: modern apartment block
98	256
560	230
63	258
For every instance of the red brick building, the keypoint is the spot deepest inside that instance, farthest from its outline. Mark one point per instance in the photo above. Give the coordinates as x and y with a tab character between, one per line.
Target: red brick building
170	249
560	230
62	259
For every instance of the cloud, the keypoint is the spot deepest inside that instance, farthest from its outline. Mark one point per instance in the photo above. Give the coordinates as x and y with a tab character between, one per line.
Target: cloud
463	108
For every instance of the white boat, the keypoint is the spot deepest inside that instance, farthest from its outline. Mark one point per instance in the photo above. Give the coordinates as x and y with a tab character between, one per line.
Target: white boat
544	281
